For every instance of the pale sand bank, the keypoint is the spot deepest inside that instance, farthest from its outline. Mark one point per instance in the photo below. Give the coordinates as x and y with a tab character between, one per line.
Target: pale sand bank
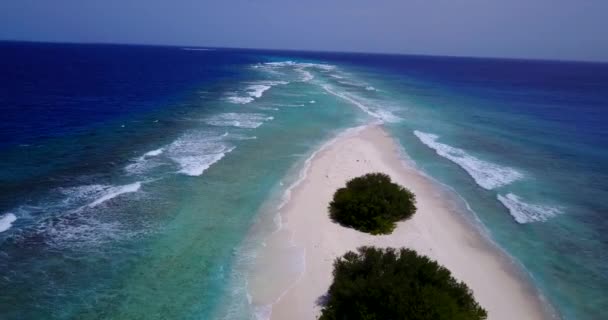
295	267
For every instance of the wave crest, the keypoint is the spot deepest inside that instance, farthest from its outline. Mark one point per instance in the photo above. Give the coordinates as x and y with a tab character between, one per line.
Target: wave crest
114	191
524	212
6	221
154	153
486	174
376	112
195	153
144	163
253	91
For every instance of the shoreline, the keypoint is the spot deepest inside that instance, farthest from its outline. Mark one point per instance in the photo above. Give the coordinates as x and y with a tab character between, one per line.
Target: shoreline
293	268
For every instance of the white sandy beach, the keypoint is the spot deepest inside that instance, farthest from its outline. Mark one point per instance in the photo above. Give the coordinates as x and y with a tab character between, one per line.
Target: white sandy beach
295	267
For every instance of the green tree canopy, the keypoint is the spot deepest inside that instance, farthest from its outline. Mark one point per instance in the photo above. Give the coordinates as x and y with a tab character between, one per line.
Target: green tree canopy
372	203
380	284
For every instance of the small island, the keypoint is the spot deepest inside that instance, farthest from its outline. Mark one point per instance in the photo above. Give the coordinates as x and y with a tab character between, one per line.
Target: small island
329	282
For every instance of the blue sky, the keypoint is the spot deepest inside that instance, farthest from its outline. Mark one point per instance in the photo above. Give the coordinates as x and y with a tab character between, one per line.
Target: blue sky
549	29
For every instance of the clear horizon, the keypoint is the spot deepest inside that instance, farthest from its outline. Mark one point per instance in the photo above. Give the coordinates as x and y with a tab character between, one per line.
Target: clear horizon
546	30
303	50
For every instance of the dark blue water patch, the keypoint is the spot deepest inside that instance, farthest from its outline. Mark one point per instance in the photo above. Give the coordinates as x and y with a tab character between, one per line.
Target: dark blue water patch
74	111
52	89
560	76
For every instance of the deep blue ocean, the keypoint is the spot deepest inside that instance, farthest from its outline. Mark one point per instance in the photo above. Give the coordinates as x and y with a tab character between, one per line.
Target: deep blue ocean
131	176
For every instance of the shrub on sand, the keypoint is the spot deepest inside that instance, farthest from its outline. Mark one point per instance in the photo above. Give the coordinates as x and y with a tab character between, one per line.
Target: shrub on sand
372	203
378	284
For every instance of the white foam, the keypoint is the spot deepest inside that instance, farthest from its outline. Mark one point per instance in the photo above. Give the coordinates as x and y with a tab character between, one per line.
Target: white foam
355	84
6	221
278	64
306	75
312	101
196	152
239	100
486	174
370	88
75	216
154	153
114	191
378	113
287	105
387	116
80	195
268	108
253	91
85	231
141	165
257	90
524	212
145	162
303	69
236	136
80	232
282	64
262	312
195	166
240	120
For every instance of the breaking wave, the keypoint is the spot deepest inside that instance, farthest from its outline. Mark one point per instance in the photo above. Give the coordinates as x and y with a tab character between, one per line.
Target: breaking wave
253	91
74	216
239	100
301	71
154	153
486	174
146	162
196	152
524	212
376	112
114	191
6	221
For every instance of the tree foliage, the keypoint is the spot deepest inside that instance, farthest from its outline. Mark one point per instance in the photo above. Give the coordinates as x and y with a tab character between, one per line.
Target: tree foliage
372	203
377	284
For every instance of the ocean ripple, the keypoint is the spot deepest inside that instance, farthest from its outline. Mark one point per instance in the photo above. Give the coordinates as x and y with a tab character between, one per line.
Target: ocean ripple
239	120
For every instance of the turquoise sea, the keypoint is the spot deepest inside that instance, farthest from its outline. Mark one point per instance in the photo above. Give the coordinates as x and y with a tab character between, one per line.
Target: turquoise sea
131	177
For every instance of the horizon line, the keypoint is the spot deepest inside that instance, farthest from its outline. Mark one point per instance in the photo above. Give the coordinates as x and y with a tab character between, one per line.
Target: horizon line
309	51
